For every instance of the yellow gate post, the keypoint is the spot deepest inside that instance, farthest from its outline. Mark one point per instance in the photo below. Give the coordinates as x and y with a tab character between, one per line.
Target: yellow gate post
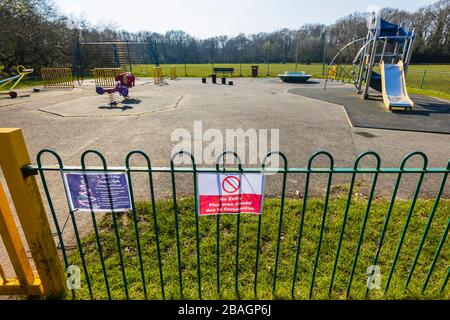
26	283
30	210
332	72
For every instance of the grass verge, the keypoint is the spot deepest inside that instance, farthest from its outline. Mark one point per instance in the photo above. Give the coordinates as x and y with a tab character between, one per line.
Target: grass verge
269	234
430	93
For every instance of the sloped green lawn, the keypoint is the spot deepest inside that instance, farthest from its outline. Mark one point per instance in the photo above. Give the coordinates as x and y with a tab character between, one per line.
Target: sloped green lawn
269	235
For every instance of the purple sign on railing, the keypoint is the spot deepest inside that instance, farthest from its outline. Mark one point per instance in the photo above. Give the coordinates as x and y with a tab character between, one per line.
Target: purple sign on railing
102	192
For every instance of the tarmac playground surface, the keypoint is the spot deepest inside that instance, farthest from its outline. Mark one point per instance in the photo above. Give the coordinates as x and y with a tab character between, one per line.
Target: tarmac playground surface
309	119
427	115
71	122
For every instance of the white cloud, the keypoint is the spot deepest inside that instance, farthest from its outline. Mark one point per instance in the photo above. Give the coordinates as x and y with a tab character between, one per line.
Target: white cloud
373	8
70	9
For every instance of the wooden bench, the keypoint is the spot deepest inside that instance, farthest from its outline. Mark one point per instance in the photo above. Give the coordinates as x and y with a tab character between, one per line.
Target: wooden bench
223	71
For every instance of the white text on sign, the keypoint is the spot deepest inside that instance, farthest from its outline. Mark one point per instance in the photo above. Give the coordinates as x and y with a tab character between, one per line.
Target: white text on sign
230	193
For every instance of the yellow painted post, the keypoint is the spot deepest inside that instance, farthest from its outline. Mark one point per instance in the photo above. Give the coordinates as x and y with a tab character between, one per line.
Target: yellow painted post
30	210
2	274
13	288
173	72
13	243
332	72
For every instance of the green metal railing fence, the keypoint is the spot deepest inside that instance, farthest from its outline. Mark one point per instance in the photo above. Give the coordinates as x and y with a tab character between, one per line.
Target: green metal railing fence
294	257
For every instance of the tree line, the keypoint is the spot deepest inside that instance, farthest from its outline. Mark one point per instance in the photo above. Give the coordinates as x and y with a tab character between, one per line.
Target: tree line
35	34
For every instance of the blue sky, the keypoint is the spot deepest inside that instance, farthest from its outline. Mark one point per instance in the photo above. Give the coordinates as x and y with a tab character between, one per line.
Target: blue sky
205	18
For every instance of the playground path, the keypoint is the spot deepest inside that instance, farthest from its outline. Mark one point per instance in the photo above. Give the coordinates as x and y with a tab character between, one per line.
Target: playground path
306	125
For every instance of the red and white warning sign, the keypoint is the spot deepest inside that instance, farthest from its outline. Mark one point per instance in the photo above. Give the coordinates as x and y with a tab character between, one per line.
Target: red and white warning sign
230	193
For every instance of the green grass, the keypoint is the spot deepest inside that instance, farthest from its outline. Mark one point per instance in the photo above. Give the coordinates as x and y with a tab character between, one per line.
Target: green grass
203	70
436	82
268	247
428	80
431	93
315	69
29	83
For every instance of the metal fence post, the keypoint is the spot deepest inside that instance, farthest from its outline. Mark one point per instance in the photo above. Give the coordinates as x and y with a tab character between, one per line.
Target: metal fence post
268	58
116	57
296	51
423	79
324	52
240	60
184	58
30	210
78	69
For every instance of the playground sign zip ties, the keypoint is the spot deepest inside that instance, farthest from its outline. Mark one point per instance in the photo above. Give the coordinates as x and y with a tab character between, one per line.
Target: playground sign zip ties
230	193
98	191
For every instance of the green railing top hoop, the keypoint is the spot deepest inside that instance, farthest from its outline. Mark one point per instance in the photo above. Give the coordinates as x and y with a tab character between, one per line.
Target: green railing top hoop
32	169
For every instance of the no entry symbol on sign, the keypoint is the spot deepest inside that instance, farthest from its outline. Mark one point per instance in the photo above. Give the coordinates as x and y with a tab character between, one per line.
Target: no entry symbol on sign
231	184
230	193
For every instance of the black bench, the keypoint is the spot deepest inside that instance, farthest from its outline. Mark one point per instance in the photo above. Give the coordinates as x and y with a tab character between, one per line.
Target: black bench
223	71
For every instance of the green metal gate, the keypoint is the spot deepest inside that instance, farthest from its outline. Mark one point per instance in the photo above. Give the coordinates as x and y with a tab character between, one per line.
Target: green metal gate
269	256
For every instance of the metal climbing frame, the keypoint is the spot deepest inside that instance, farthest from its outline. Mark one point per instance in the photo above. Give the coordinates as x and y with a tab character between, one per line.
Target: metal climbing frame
127	55
384	41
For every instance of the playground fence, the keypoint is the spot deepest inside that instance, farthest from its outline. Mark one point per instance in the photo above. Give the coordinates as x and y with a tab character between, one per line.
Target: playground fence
193	274
173	72
106	77
422	79
158	77
429	80
57	78
416	78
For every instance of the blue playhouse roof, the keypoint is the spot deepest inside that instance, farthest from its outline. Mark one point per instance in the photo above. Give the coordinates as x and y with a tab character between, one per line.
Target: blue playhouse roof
390	30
